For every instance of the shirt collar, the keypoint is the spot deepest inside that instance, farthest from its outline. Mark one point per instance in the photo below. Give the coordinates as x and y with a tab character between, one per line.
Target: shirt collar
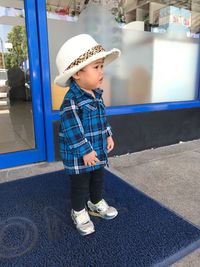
79	92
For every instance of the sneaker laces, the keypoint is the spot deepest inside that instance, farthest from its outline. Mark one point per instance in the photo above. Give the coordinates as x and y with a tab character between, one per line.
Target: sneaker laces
82	217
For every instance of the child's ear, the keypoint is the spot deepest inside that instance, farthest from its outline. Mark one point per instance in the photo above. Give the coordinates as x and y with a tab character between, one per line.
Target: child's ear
76	76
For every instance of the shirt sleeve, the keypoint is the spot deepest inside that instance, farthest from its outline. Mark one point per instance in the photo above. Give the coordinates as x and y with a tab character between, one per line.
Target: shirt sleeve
72	129
108	127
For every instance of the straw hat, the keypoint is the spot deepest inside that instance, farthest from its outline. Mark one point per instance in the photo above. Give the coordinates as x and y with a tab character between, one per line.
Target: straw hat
78	52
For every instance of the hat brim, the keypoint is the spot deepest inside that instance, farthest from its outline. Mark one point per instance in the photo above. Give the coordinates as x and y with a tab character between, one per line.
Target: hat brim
63	79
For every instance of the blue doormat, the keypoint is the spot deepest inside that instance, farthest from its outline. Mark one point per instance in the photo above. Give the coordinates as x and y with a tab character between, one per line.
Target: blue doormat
36	229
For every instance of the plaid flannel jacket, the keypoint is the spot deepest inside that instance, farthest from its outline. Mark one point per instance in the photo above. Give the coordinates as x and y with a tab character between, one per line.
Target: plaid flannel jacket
83	128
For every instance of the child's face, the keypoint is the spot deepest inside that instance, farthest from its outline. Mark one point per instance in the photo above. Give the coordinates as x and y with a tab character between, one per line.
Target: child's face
91	76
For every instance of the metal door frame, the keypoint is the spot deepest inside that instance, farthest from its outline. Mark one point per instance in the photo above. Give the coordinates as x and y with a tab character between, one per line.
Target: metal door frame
39	152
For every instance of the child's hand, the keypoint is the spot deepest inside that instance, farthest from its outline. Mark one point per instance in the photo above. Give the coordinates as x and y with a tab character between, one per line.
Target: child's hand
90	159
110	144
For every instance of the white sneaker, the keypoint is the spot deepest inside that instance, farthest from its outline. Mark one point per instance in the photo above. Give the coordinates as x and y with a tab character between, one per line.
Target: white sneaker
82	221
101	209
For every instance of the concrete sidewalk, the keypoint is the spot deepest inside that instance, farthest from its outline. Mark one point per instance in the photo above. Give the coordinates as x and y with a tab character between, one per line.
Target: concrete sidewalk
169	175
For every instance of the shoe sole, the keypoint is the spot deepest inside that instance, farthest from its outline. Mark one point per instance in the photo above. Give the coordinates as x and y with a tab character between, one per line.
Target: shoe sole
85	233
93	213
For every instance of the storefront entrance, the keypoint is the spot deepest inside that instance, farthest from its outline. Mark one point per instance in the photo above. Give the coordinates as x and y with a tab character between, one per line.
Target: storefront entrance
22	138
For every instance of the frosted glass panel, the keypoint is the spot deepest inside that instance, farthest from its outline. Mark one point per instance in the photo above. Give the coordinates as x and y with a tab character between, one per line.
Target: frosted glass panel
158	68
153	67
174	72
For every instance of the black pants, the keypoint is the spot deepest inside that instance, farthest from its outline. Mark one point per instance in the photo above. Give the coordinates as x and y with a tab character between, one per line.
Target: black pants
86	186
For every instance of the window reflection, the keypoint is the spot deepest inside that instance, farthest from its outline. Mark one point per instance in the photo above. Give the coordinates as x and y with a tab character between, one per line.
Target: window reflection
16	117
158	16
159	43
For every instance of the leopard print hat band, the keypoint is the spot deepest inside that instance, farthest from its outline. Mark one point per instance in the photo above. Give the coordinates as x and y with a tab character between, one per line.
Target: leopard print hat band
91	52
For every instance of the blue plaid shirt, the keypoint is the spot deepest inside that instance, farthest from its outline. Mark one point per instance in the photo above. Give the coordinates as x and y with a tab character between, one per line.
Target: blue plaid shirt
83	128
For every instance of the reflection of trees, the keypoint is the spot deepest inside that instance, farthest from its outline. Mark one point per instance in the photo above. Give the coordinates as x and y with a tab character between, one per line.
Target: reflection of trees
19	52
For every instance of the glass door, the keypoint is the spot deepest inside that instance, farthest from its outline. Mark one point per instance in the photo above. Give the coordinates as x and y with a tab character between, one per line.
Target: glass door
21	109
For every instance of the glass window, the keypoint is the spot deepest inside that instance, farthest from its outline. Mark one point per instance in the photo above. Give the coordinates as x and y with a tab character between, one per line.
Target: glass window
16	117
158	40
